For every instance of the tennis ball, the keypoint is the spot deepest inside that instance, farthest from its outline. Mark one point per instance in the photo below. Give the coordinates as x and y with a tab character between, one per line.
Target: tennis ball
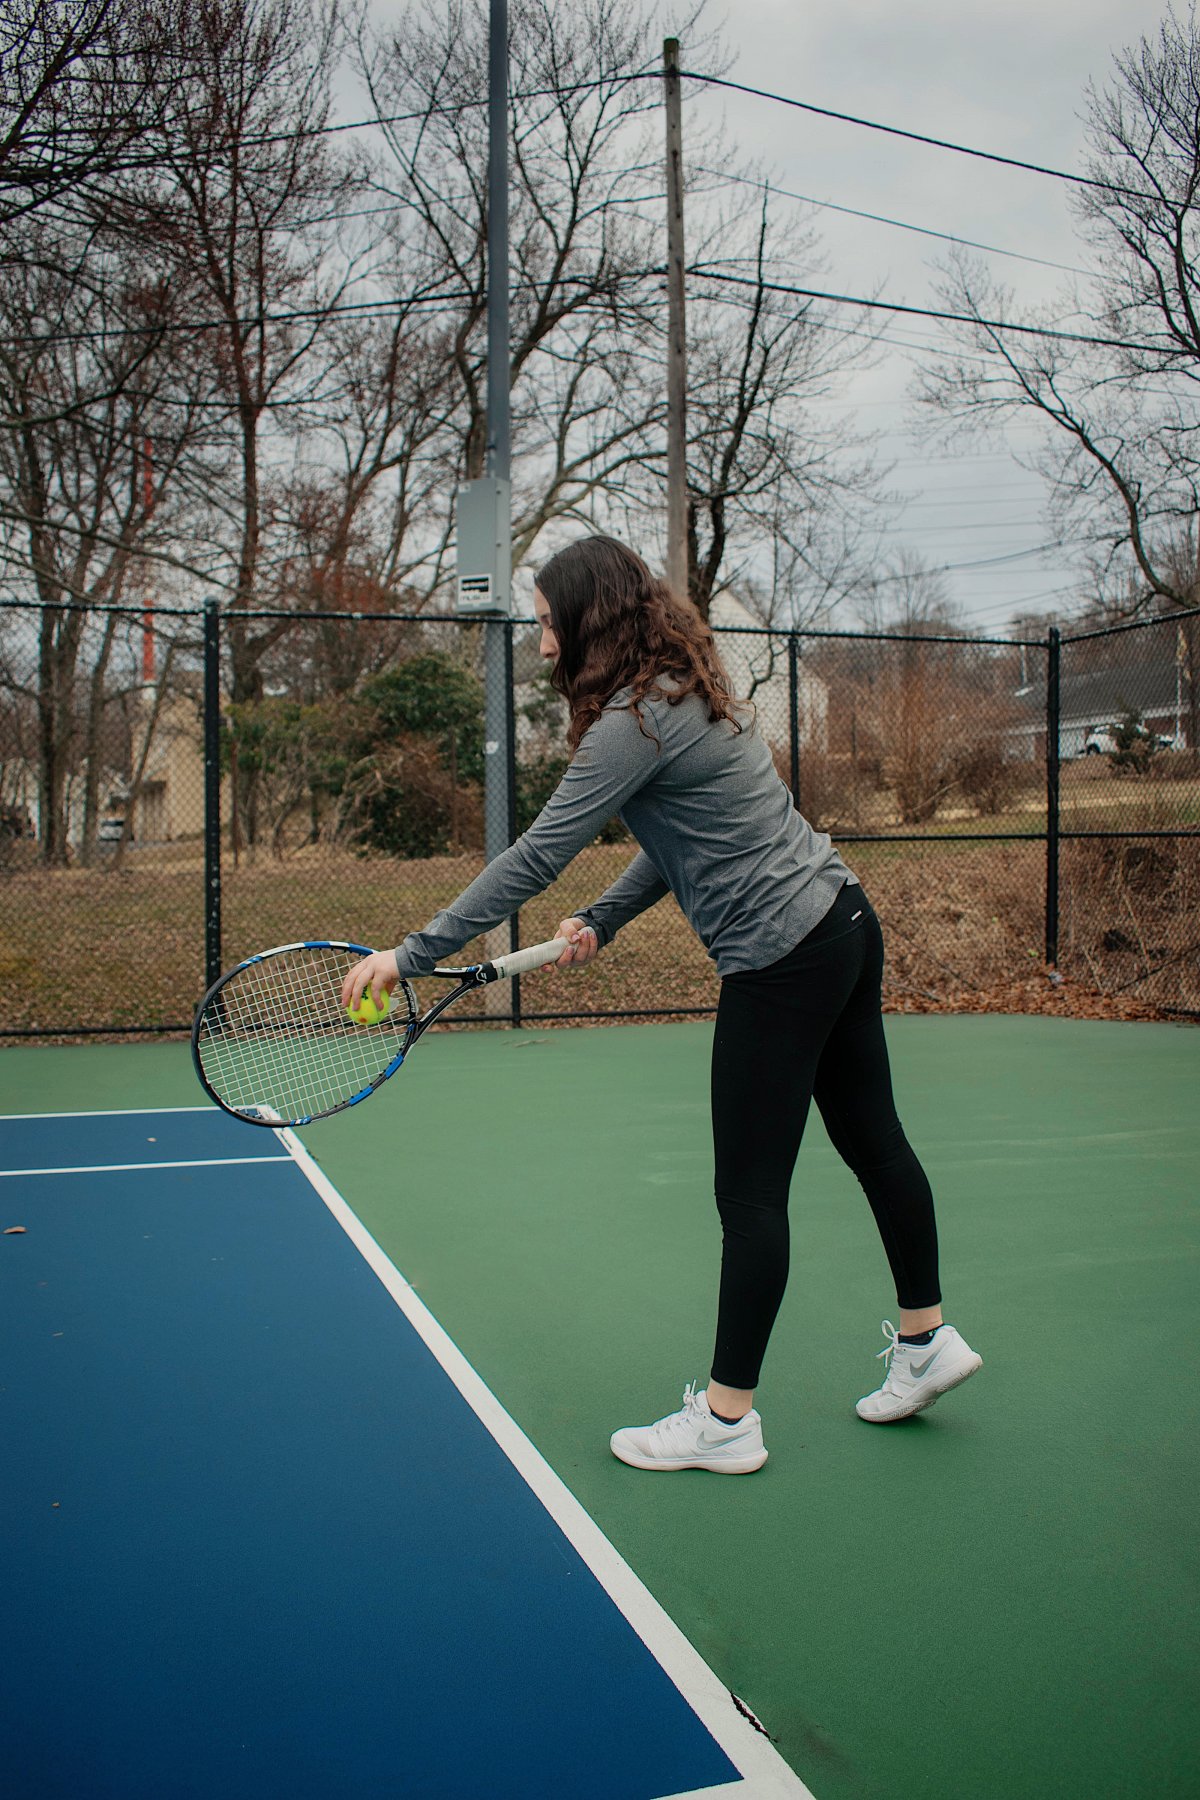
367	1013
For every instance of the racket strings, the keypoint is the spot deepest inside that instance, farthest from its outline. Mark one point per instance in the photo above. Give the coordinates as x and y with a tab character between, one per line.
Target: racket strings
277	1040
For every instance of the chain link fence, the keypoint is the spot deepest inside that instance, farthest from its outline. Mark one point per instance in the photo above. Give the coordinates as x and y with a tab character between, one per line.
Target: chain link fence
179	789
1129	812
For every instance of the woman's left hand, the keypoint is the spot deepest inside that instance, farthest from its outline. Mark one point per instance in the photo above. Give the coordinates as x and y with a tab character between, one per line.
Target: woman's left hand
583	946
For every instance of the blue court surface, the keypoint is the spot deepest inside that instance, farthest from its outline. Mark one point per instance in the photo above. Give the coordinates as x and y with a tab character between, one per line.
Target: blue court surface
266	1531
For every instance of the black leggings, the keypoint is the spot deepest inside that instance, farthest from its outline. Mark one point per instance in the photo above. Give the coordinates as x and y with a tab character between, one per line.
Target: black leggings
809	1026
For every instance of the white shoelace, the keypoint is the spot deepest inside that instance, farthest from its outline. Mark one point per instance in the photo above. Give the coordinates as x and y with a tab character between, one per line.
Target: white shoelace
896	1370
888	1353
673	1432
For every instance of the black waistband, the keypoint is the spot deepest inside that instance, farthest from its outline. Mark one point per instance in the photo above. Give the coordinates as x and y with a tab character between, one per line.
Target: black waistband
847	914
849	909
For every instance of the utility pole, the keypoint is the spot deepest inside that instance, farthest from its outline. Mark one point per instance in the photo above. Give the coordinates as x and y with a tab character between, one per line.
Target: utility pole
148	614
483	512
677	544
484	516
484	505
497	784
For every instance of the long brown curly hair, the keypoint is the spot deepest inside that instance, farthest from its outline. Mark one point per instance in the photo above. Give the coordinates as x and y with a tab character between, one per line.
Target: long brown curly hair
617	627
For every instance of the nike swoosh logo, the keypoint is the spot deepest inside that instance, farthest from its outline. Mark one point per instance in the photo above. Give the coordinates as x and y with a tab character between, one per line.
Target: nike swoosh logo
708	1441
920	1369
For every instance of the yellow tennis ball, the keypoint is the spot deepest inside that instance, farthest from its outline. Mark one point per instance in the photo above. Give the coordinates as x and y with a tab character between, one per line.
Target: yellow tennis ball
367	1013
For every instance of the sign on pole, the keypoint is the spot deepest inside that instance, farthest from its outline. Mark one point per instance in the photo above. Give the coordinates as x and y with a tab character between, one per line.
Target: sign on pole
484	546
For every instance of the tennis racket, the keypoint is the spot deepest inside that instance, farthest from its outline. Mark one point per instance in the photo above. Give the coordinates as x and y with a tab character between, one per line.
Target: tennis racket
273	1044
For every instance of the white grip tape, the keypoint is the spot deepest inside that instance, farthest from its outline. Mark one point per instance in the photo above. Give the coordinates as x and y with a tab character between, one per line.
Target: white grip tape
519	962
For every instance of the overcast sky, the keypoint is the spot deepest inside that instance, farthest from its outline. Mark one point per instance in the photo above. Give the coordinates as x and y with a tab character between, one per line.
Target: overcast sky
1009	79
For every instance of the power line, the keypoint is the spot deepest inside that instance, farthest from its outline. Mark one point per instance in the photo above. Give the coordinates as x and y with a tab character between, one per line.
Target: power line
854	212
433	302
991	497
655	74
914	347
985	562
1000	609
916	137
950	540
982	562
615	82
452	111
421	302
923	312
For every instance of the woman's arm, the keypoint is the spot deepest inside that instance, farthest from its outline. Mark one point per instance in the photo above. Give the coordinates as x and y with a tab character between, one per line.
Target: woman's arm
613	761
639	886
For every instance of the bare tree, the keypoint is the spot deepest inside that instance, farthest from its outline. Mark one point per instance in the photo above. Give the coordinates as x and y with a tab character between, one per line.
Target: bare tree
586	374
76	99
78	516
244	168
585	231
1123	410
762	469
369	517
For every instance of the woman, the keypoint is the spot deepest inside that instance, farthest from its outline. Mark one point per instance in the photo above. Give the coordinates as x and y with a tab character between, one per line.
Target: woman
657	737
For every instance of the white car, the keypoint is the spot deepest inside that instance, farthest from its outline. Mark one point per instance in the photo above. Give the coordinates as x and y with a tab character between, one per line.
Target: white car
1102	740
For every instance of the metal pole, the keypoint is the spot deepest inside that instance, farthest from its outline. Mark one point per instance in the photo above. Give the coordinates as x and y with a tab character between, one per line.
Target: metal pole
514	924
212	792
794	714
677	545
497	733
1053	691
499	441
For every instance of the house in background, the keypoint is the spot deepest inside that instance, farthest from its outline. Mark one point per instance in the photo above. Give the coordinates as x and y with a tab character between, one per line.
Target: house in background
1154	691
169	803
757	661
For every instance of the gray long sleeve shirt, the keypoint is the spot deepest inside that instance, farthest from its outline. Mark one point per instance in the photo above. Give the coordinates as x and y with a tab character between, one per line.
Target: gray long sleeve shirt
716	827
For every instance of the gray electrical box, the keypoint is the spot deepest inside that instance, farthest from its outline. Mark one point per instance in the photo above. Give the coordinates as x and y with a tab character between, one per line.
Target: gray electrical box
484	546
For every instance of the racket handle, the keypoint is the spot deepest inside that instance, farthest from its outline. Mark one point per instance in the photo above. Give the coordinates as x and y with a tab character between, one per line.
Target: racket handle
520	962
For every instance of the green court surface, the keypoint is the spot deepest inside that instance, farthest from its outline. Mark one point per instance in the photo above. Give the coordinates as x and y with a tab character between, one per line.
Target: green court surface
996	1599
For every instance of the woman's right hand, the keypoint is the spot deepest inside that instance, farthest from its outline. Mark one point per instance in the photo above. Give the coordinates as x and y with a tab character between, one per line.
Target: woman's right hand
377	972
583	946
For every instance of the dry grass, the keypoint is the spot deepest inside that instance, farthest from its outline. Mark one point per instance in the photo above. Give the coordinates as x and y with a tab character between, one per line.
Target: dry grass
964	925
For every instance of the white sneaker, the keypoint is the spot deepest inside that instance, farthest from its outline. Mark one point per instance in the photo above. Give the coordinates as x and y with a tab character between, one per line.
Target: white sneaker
917	1374
693	1439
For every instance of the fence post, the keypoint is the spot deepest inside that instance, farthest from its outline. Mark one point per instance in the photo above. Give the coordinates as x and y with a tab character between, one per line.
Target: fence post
212	792
794	714
510	727
1053	699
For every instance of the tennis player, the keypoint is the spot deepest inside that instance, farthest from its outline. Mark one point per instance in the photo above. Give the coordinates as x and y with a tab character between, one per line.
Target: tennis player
658	738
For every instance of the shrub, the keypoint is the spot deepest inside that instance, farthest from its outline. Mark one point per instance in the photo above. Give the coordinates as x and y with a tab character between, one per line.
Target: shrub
404	802
1136	747
830	787
431	696
987	778
410	784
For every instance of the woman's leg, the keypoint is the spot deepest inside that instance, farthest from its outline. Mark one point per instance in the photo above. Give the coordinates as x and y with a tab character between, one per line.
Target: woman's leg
853	1089
771	1028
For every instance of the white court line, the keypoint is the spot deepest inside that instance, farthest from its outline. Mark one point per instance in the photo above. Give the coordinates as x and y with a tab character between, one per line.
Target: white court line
765	1775
203	1162
112	1112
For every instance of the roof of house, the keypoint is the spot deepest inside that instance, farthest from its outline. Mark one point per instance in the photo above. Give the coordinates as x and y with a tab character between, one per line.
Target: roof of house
1097	696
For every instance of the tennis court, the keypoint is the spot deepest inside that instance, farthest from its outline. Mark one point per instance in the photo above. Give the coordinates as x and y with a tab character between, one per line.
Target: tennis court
259	1534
